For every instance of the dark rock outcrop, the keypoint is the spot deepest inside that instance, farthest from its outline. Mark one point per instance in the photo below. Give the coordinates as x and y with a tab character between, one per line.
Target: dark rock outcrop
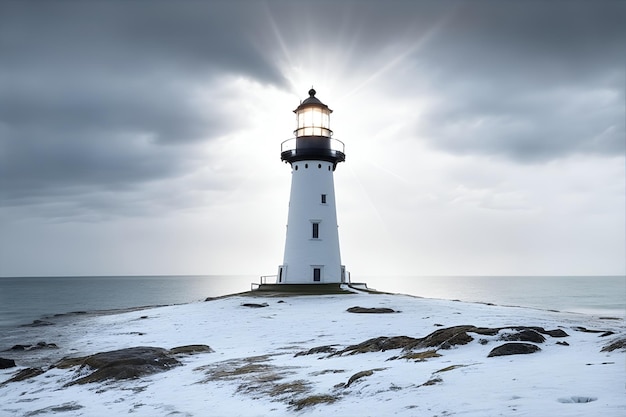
316	350
526	335
39	345
378	344
586	330
551	333
445	338
190	350
122	364
38	323
371	310
128	363
360	375
513	349
617	344
6	363
24	374
255	305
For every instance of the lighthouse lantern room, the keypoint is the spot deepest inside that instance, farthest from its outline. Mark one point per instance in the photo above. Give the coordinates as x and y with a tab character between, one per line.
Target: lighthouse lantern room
312	243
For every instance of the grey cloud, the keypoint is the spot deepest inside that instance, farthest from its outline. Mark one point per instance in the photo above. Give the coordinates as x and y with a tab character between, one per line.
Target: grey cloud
528	81
101	94
92	91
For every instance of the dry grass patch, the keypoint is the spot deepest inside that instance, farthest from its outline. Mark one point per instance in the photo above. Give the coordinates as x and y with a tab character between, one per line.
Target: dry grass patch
420	356
312	401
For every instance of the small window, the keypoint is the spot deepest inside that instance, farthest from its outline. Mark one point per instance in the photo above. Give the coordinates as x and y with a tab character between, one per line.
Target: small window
296	167
306	165
317	274
323	198
319	166
316	230
329	167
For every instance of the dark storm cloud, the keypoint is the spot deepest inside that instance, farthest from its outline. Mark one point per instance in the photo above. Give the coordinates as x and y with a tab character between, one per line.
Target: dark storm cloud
104	95
92	92
531	81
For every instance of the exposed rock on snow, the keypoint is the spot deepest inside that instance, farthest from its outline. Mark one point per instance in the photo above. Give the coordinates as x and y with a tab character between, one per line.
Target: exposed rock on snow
513	349
378	344
617	344
128	363
372	310
38	323
6	363
526	335
24	374
122	364
255	305
39	345
190	350
360	375
317	350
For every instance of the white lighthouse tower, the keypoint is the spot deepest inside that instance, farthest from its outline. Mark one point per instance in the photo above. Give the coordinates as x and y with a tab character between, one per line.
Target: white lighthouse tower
312	243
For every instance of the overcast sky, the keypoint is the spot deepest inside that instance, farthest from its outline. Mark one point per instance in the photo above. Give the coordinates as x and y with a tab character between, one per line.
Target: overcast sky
482	138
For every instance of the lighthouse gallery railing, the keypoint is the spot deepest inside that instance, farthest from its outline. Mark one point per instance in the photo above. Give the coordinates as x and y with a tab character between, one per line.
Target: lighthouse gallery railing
335	145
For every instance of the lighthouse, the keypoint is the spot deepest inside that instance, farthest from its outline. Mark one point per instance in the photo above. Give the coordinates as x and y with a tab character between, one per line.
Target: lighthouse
312	243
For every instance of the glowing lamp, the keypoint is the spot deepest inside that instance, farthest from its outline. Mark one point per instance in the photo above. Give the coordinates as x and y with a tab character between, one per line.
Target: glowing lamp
313	117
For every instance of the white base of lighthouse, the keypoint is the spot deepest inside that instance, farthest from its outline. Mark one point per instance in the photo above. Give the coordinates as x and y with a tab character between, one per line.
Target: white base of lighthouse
312	244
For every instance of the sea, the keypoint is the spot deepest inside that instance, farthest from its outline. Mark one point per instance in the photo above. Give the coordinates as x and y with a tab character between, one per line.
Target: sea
25	299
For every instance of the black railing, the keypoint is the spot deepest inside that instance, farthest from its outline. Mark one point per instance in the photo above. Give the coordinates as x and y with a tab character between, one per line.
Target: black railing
324	142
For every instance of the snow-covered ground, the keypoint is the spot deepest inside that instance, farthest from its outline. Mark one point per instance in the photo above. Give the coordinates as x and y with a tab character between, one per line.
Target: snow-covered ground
254	371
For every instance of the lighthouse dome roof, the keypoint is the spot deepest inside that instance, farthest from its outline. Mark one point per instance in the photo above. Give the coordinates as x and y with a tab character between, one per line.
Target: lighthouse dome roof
312	101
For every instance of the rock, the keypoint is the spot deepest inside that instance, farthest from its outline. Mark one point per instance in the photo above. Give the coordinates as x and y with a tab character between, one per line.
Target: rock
122	364
374	310
585	330
39	345
617	344
6	363
448	337
24	374
360	375
513	349
553	333
380	344
191	350
526	335
38	323
20	347
315	350
419	356
44	345
255	305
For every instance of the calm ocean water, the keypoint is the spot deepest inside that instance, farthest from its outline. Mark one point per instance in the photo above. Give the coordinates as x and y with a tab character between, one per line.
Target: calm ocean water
25	299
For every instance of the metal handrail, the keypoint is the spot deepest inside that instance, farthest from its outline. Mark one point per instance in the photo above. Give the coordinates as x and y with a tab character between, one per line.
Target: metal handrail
291	144
265	277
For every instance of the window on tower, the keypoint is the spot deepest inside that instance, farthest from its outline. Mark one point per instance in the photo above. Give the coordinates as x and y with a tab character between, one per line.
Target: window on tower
317	274
323	198
316	230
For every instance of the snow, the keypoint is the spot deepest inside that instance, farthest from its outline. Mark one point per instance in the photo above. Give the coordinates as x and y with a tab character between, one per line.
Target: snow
253	370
